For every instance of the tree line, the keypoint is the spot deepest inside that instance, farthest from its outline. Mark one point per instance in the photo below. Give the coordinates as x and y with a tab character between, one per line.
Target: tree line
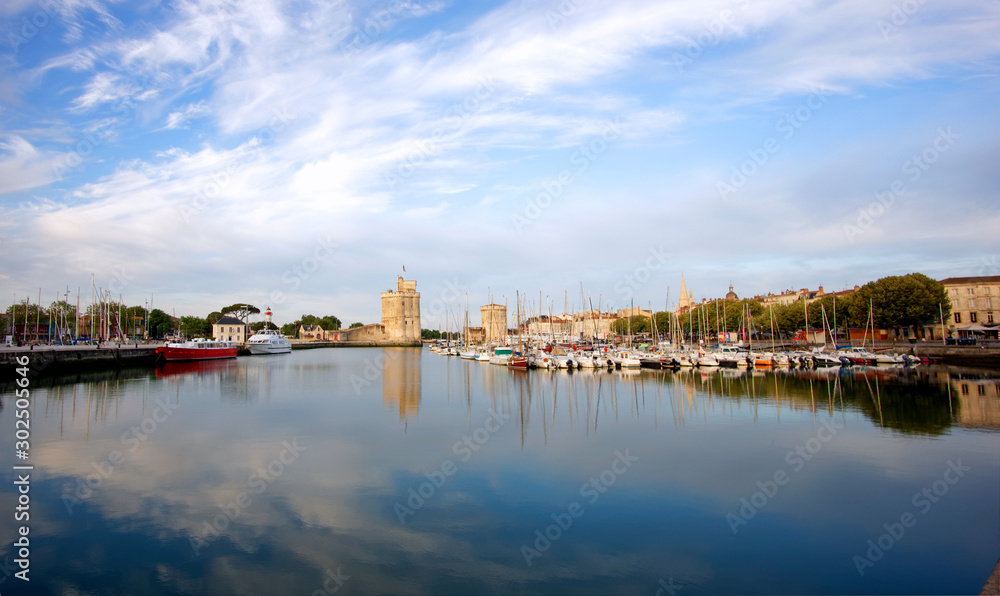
894	302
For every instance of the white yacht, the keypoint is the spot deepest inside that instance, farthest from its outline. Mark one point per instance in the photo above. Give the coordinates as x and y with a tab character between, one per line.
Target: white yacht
268	341
501	354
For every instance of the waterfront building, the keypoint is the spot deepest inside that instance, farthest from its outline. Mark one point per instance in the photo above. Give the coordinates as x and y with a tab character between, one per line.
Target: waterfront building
312	332
558	326
974	304
494	318
592	324
401	312
635	312
790	296
229	329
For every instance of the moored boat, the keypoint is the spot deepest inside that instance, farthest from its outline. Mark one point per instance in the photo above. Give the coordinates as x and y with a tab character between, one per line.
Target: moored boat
268	341
196	349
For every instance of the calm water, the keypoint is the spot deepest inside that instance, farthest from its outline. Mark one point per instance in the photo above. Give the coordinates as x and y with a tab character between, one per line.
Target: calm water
363	471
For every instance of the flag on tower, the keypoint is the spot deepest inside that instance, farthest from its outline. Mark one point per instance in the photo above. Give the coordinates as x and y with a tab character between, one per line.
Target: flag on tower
404	268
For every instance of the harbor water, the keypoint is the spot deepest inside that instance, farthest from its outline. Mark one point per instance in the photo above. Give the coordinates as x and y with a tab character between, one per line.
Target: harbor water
400	471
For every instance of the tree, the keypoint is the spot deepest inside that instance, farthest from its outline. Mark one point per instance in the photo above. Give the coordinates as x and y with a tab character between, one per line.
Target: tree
328	323
639	324
900	301
241	311
257	326
213	317
195	327
159	324
290	329
354	325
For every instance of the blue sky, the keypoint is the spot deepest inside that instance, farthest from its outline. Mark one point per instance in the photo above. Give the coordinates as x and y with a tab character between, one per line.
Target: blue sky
298	154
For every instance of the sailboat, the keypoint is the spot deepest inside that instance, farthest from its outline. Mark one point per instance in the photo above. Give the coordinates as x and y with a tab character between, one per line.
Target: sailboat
518	360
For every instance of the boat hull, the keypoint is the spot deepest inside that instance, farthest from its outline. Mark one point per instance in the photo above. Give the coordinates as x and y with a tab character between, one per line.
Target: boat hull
175	354
263	349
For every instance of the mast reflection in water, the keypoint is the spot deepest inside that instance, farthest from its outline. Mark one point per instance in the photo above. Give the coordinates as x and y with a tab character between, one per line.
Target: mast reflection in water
284	475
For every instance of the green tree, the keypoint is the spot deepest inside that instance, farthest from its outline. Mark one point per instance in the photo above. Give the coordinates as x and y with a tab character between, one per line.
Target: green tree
639	324
900	301
354	325
213	317
195	327
258	325
159	324
290	329
240	311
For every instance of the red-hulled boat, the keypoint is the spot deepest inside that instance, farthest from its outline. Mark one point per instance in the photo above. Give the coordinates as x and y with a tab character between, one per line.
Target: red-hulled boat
197	349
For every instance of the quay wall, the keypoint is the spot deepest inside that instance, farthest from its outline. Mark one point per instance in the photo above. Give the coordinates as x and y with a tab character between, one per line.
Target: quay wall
42	361
308	345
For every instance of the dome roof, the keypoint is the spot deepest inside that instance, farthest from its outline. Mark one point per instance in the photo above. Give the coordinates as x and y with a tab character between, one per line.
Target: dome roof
731	295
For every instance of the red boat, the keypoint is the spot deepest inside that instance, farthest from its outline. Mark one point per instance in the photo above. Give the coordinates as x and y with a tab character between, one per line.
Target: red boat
197	349
519	362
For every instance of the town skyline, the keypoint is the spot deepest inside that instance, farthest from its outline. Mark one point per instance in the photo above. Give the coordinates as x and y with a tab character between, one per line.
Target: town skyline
298	157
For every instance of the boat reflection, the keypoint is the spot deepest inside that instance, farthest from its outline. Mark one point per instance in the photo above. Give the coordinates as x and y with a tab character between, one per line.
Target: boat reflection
202	367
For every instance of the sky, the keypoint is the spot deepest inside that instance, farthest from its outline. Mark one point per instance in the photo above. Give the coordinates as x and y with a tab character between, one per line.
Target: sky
298	155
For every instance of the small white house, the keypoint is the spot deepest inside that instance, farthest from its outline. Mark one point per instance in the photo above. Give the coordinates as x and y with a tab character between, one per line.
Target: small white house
229	329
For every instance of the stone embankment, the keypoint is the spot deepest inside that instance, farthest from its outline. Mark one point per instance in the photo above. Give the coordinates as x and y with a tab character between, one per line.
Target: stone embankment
49	360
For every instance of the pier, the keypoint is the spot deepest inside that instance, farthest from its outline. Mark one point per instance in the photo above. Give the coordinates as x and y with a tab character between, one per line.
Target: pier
58	359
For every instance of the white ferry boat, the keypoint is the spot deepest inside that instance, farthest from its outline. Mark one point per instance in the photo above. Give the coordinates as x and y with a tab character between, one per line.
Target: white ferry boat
268	341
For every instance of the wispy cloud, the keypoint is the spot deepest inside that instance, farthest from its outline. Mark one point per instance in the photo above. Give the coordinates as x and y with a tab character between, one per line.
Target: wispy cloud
470	114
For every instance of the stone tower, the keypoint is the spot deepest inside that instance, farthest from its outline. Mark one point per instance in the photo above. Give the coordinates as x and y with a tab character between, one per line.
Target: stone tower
401	312
494	322
686	299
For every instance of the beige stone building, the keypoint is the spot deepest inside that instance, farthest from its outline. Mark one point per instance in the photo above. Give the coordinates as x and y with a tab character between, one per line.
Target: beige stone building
790	296
229	329
635	312
558	326
401	312
974	305
494	322
592	324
